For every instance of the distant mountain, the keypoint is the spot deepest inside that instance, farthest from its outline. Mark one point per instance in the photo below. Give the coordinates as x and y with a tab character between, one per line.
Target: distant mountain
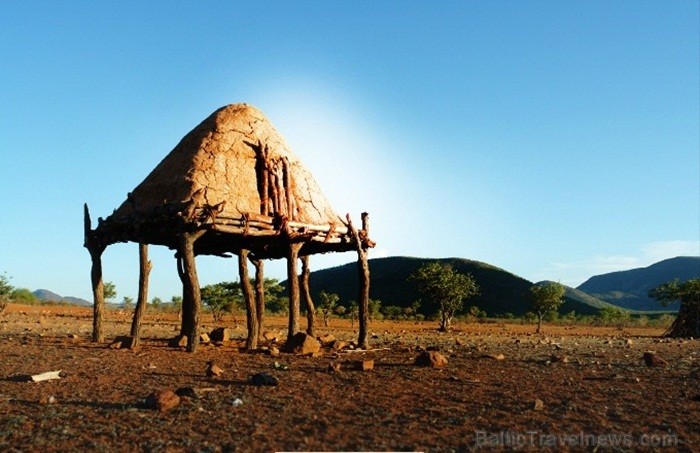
629	289
500	291
46	295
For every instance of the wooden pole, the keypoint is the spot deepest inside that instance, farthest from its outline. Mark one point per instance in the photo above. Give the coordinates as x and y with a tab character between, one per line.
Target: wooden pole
249	297
98	288
145	267
293	279
259	292
191	286
306	296
186	321
363	272
98	294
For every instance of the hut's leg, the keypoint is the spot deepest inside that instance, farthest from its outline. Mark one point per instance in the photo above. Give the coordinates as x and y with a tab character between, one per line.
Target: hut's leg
306	295
186	321
293	279
249	297
98	294
145	267
191	287
363	303
259	292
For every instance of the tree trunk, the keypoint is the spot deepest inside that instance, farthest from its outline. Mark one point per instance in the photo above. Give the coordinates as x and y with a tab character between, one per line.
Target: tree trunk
98	294
293	279
145	267
250	304
306	295
191	286
687	323
539	322
259	292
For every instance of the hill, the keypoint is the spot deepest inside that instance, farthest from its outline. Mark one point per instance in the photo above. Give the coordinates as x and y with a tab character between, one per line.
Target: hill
500	291
629	289
46	295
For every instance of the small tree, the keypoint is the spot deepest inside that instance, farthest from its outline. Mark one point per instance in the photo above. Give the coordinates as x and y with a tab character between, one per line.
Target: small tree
156	302
440	285
221	298
353	312
176	302
327	305
128	302
687	323
5	291
545	297
110	291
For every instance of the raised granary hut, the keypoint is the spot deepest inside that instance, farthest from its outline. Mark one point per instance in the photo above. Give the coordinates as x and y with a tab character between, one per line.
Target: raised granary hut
231	187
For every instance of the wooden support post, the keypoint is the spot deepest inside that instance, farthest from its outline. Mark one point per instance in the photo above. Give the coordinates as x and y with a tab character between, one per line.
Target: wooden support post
293	279
95	248
145	267
306	296
186	321
98	294
191	287
361	242
259	292
249	297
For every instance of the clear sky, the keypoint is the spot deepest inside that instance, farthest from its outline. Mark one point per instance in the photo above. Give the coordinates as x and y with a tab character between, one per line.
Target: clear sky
555	139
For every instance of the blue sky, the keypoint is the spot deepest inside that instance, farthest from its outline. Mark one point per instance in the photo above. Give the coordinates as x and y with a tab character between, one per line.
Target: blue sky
554	139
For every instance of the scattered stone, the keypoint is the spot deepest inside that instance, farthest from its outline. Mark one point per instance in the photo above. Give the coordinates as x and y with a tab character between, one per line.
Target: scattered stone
629	342
495	356
334	367
237	402
431	359
652	360
326	339
194	393
459	342
337	345
280	366
317	354
49	375
213	370
557	358
48	400
163	400
179	341
264	379
220	334
204	338
273	351
365	365
271	336
304	344
115	345
538	405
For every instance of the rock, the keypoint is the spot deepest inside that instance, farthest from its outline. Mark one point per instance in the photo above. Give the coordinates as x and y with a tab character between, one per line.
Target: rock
163	400
337	345
431	359
115	345
695	374
459	342
301	343
326	339
204	338
194	393
179	341
538	405
221	334
365	365
652	360
557	358
263	379
495	356
629	342
333	367
213	370
271	336
273	351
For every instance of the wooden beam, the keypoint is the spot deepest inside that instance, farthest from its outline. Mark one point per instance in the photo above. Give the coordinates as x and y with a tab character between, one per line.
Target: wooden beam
145	267
249	297
306	296
98	288
191	285
363	272
259	292
293	279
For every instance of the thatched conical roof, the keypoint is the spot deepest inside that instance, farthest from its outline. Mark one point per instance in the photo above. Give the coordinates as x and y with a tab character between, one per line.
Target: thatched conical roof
233	174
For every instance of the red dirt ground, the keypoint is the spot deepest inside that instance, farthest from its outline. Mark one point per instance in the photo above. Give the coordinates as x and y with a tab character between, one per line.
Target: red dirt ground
596	393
